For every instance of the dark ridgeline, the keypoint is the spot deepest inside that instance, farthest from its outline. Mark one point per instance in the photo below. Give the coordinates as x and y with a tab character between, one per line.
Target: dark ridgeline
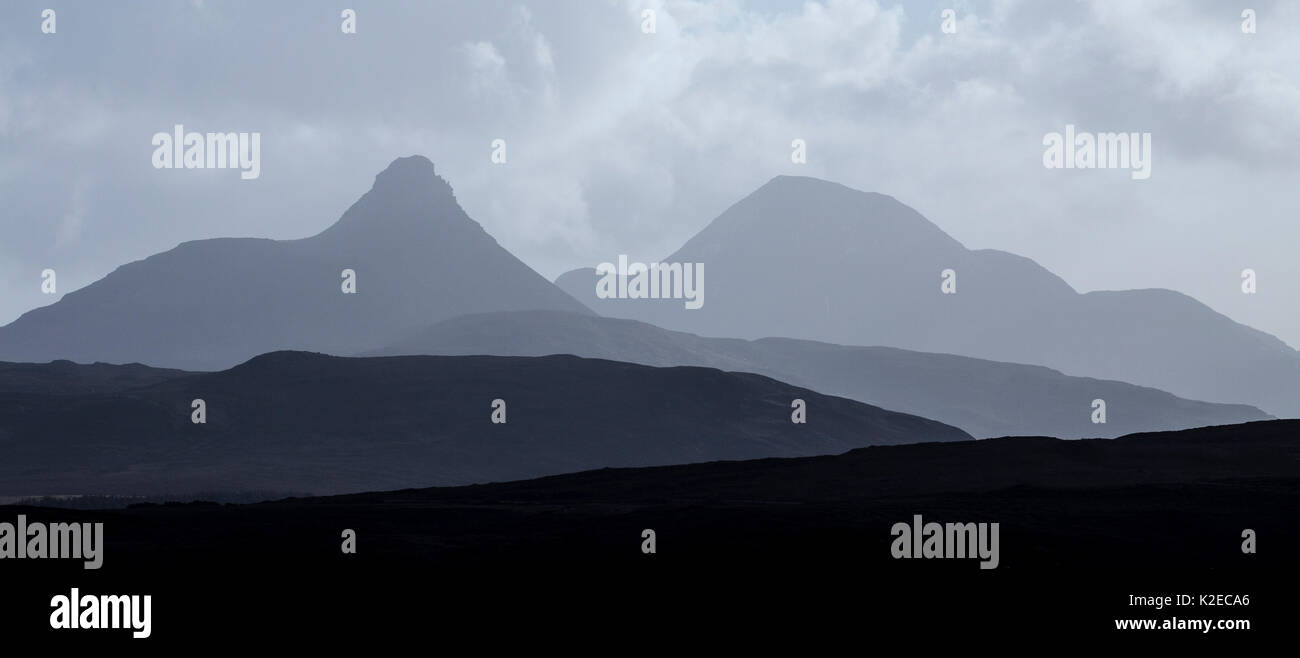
1083	524
1133	503
985	398
297	421
210	304
806	258
66	377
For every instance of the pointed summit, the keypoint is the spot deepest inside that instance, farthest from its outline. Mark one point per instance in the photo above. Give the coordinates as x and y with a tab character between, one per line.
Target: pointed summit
407	198
413	253
411	173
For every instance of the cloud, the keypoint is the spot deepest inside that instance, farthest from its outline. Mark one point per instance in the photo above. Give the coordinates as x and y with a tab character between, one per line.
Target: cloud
70	224
624	142
484	60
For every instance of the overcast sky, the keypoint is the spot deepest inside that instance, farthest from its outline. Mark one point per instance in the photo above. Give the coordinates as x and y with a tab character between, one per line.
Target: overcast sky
625	142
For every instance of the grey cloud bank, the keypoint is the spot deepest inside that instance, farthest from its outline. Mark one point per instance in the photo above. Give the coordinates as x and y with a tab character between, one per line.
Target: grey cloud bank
627	143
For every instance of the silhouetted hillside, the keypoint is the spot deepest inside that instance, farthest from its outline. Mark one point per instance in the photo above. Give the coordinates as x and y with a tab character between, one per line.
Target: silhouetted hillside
66	377
1082	526
985	398
307	422
1153	500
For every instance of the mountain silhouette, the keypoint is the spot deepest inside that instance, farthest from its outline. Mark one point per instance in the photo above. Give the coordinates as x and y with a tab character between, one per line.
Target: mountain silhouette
298	421
985	398
211	304
807	258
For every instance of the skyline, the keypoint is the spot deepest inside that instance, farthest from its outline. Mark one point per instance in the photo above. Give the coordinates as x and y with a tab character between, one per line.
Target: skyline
679	125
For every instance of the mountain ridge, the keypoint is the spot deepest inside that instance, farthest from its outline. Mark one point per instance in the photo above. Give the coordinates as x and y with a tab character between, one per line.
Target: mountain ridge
985	398
809	259
208	304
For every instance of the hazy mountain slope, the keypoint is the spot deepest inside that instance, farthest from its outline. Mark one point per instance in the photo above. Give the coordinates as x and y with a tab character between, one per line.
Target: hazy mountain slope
308	422
210	304
985	398
805	258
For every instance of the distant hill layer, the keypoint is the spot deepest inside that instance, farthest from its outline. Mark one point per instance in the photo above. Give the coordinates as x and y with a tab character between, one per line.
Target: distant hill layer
810	259
985	398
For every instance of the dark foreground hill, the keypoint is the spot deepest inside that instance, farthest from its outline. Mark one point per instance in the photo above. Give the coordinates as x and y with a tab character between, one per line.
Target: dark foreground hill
1084	525
68	378
985	398
1125	494
296	421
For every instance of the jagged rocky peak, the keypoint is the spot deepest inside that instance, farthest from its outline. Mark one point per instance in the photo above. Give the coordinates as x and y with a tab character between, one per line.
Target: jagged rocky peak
414	173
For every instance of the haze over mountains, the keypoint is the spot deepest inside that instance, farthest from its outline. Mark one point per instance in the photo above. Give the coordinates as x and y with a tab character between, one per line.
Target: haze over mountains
806	258
985	398
211	304
800	259
297	421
